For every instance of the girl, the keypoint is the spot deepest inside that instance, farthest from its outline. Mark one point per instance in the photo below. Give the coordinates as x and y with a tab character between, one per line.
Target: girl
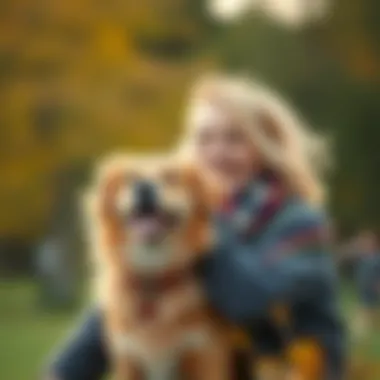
270	272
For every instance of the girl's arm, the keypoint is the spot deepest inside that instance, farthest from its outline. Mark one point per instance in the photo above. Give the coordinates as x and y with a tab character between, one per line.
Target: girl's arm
247	279
83	358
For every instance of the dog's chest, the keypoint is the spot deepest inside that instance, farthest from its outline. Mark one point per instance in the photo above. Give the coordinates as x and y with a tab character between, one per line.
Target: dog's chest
148	296
163	364
151	291
160	362
168	366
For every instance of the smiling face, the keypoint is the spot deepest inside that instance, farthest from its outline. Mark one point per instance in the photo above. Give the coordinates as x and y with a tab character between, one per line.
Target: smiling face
222	146
156	210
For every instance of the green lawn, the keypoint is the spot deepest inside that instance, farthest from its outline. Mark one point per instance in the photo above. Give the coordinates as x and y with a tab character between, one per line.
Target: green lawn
364	356
27	335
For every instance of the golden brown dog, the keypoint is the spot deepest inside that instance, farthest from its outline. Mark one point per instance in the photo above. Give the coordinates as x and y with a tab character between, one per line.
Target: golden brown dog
149	221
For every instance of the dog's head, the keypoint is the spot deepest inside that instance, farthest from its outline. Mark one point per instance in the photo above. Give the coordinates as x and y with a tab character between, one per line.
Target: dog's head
153	211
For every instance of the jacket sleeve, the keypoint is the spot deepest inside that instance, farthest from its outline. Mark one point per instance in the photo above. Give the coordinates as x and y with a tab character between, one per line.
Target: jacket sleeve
244	280
83	356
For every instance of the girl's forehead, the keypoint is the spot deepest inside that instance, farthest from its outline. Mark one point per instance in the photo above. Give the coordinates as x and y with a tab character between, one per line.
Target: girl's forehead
209	114
215	119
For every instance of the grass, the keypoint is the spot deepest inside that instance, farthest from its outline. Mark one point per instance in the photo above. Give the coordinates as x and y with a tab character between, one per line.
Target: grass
364	359
28	335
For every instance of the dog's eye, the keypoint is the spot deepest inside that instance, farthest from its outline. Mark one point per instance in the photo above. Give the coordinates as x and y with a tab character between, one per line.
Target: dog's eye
171	178
123	202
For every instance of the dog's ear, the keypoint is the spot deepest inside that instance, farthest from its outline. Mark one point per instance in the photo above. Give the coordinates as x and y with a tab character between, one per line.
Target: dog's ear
206	192
108	179
108	193
207	197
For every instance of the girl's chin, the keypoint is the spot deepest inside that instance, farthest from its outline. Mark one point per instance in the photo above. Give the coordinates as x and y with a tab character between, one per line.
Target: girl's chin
233	184
230	180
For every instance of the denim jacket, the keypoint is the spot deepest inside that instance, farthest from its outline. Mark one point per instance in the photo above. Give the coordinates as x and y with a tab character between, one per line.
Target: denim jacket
285	261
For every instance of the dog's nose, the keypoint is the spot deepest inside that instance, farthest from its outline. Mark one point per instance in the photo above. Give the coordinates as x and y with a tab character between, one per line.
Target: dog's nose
146	197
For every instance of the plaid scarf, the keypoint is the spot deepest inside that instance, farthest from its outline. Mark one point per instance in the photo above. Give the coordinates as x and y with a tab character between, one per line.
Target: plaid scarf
266	208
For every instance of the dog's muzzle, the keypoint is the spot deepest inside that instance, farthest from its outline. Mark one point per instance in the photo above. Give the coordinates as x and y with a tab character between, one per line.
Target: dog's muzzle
149	220
146	200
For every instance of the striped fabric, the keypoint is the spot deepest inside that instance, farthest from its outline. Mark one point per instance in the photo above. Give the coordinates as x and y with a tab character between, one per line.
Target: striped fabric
266	212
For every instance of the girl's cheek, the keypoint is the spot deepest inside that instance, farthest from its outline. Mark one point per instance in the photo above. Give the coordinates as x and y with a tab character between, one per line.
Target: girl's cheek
210	154
242	155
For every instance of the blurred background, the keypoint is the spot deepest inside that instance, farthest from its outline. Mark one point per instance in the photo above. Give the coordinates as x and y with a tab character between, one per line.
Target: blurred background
81	78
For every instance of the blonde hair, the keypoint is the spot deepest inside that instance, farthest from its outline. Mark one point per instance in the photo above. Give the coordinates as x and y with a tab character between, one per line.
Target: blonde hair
285	143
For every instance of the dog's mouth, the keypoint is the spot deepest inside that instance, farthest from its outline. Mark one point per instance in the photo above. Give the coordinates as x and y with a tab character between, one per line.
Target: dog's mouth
154	228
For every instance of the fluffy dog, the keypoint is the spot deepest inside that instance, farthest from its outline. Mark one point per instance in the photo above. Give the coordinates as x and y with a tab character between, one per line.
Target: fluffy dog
149	222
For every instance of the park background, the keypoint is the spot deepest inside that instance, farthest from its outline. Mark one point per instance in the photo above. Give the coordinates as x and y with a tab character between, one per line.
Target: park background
81	78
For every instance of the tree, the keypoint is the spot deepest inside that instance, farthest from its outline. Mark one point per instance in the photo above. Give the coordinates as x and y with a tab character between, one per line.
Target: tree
79	79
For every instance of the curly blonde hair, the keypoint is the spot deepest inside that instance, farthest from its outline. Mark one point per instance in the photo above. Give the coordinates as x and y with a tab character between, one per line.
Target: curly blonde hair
284	141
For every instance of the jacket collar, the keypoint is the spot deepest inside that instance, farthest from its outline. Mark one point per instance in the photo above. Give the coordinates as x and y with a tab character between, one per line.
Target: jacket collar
250	210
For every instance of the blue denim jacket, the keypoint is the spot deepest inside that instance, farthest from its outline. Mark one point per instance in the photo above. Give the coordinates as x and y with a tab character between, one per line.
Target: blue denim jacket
286	261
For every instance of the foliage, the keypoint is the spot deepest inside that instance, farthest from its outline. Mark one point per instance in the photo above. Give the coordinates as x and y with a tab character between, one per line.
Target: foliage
81	78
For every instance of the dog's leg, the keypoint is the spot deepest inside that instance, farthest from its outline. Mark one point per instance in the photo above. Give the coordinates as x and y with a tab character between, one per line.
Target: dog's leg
118	324
209	363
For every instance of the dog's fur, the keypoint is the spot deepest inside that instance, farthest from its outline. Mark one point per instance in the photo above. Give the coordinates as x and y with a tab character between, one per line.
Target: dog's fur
182	332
